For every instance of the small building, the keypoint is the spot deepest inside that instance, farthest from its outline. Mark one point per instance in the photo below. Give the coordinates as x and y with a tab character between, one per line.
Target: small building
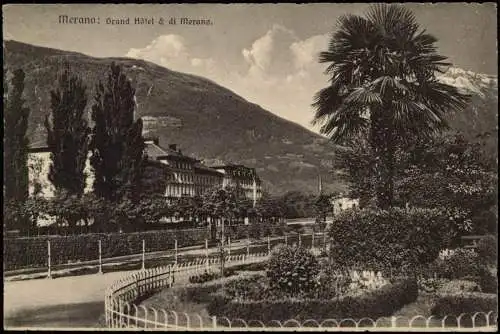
342	203
242	176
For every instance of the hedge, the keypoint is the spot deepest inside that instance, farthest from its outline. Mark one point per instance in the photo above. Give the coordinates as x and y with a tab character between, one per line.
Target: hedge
378	303
392	238
32	252
468	303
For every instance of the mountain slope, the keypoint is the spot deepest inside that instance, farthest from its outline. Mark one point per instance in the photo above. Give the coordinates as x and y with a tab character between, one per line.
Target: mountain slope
203	118
479	121
213	123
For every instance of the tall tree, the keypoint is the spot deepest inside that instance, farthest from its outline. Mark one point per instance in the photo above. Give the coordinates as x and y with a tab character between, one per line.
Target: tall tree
117	144
68	135
383	78
15	143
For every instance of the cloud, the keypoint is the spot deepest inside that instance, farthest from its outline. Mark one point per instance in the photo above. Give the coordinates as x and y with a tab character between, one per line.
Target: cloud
171	51
278	70
269	56
306	52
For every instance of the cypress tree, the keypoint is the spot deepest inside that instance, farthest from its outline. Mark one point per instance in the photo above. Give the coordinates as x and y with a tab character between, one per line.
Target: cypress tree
117	145
16	145
68	135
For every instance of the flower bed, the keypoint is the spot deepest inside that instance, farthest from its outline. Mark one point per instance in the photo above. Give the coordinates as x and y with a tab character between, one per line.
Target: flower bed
235	301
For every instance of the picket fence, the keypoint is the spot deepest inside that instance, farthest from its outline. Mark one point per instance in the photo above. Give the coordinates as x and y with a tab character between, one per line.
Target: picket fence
122	312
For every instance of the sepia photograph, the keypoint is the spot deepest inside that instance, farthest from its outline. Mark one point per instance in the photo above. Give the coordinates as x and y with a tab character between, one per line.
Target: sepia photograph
250	167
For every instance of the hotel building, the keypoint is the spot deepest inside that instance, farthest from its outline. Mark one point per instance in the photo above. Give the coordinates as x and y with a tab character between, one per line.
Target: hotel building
182	176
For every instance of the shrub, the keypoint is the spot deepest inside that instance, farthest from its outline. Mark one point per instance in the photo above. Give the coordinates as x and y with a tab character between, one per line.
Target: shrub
378	303
456	304
487	249
431	285
455	286
257	266
201	292
488	281
392	238
461	263
292	270
210	276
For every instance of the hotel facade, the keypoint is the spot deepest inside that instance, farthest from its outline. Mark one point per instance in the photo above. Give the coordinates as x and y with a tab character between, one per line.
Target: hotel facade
183	176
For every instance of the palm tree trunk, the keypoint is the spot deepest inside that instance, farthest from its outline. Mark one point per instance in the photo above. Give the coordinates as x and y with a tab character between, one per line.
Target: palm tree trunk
383	146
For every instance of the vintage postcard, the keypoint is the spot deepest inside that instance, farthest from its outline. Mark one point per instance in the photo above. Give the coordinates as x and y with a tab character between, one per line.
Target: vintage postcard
275	167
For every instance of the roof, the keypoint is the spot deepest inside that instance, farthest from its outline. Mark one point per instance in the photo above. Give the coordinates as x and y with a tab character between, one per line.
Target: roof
156	152
153	151
205	169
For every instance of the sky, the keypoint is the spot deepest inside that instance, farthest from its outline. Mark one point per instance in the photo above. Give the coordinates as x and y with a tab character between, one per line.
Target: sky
266	53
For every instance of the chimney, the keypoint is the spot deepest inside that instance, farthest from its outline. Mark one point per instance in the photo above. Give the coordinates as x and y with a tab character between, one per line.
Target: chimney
173	147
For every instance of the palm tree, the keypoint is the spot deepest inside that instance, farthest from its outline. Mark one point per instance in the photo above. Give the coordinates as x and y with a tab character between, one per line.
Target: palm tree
383	79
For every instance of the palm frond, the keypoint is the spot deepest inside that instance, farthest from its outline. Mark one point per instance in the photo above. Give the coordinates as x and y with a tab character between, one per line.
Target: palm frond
345	122
363	96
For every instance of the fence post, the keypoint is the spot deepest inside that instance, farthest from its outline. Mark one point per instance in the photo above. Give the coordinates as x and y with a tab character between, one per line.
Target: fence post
268	245
312	242
393	322
300	240
175	245
49	275
286	240
100	257
214	322
248	247
206	251
143	254
324	240
229	248
170	278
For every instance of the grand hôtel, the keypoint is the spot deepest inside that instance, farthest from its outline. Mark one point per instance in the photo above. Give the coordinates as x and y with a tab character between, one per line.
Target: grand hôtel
183	176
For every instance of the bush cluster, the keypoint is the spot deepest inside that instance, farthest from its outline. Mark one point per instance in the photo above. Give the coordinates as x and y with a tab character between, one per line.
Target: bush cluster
292	270
461	263
488	281
378	303
391	238
465	264
210	276
487	249
456	304
257	266
202	292
454	286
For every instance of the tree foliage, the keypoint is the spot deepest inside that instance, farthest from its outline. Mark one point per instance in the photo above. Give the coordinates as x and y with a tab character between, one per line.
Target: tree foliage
68	135
383	79
15	146
117	144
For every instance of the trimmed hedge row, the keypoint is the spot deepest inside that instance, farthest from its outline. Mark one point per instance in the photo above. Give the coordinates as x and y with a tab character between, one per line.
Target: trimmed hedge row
378	303
32	252
471	302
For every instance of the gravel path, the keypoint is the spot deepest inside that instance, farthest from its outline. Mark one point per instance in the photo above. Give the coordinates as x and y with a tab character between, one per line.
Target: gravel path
74	301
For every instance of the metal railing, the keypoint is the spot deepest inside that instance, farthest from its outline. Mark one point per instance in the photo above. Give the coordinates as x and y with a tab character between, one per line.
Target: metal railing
122	311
